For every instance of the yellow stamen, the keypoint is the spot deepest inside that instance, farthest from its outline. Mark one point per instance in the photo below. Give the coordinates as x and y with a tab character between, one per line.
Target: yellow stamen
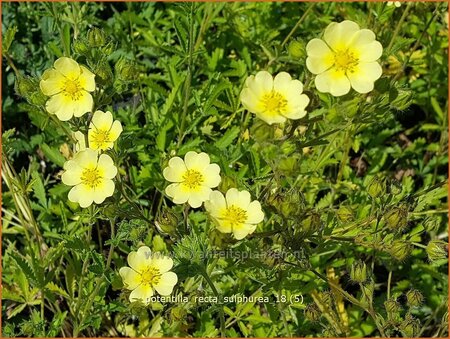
91	177
193	179
151	276
236	216
101	137
274	103
72	88
345	61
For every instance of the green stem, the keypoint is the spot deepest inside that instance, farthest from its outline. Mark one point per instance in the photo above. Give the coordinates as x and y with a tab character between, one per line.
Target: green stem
389	285
297	25
397	28
216	294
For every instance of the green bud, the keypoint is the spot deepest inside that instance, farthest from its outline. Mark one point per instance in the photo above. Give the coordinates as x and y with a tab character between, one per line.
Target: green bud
327	298
178	314
410	327
126	70
167	221
392	307
400	249
376	187
431	224
397	218
312	312
158	244
414	298
437	250
344	214
25	86
367	289
96	37
403	100
38	98
80	46
396	188
310	224
289	204
296	49
358	272
103	73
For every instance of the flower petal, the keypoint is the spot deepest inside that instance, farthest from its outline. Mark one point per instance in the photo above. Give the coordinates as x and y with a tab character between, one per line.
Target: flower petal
332	81
115	131
142	293
52	82
215	204
177	193
238	198
166	283
131	279
197	161
255	215
283	82
82	195
243	230
101	120
320	57
106	166
196	198
139	260
211	175
339	35
67	67
162	262
58	105
364	76
103	190
370	52
86	79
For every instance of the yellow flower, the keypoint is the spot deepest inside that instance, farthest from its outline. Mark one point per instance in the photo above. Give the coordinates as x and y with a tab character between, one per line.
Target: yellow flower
80	144
103	131
192	178
346	57
235	213
91	177
274	99
148	272
68	85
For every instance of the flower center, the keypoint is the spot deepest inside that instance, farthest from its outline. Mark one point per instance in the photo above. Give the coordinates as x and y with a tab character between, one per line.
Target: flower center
72	88
91	177
192	179
101	137
345	61
274	102
151	276
235	215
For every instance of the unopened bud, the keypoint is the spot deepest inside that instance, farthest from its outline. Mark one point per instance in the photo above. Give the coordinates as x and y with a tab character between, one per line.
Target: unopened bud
38	98
344	214
312	312
358	272
296	49
103	73
414	298
400	249
80	46
376	187
410	327
403	100
431	224
392	306
397	218
25	86
437	250
167	221
126	70
310	224
96	37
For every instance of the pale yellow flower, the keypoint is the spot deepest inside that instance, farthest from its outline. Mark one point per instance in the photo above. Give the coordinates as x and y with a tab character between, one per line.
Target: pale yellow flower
346	57
103	131
68	85
91	177
148	272
80	144
192	178
395	3
274	99
235	213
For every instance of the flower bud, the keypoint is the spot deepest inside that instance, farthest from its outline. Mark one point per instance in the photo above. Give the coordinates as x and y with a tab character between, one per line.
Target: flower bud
310	224
358	272
344	214
410	327
431	224
397	218
38	98
167	221
414	298
312	312
376	187
80	46
96	37
126	70
403	100
367	289
437	250
296	49
400	249
25	86
103	73
392	306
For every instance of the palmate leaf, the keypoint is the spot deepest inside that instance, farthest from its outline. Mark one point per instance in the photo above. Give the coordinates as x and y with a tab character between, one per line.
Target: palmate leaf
25	268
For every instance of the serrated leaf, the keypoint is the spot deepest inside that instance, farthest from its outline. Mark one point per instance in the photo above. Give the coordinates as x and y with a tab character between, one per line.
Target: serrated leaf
8	38
53	155
227	138
52	287
39	189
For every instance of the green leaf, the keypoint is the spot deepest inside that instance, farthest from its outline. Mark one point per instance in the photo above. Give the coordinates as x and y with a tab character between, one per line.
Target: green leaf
227	138
52	287
65	37
8	38
53	155
39	189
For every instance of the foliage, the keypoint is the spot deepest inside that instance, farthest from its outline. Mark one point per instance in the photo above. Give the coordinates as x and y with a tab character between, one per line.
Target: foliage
355	193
